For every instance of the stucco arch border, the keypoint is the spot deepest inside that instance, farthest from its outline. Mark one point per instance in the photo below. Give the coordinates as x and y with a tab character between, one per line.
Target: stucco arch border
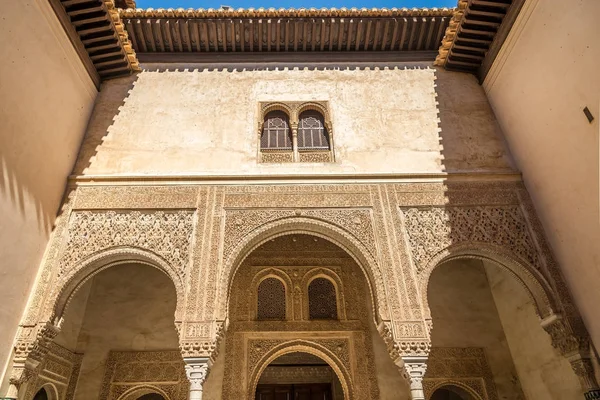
108	258
51	391
302	346
136	392
531	280
311	106
308	226
455	387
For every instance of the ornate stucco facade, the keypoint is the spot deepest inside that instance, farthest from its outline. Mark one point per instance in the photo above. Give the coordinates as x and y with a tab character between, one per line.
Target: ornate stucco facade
435	270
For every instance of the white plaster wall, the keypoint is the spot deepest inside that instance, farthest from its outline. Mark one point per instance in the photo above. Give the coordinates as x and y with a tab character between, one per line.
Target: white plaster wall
464	315
126	307
543	373
46	98
545	74
185	120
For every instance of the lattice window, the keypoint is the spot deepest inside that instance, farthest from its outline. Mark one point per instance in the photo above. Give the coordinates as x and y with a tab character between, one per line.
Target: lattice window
322	301
312	134
271	299
276	132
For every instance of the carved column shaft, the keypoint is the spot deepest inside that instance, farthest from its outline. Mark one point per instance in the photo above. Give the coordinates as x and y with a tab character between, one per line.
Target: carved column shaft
416	368
576	349
584	369
295	142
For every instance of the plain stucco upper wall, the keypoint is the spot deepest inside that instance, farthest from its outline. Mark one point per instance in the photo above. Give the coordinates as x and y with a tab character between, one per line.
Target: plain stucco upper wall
46	98
188	120
545	74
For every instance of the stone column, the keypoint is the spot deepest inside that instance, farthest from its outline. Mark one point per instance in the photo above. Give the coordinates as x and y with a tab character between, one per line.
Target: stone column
415	369
196	369
295	142
575	346
584	369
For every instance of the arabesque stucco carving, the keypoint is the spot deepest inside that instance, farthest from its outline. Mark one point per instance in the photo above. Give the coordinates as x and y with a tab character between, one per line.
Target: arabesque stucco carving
396	233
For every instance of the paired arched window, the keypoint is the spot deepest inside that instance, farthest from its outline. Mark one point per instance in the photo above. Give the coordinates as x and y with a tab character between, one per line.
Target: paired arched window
293	132
271	299
276	132
322	299
312	134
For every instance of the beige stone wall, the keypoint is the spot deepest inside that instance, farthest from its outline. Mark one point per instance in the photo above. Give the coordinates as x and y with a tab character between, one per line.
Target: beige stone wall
46	98
464	315
127	307
543	373
544	76
186	120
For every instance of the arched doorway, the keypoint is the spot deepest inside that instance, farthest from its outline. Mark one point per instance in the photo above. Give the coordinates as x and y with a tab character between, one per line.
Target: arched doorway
41	395
449	392
300	376
121	320
151	396
486	329
302	293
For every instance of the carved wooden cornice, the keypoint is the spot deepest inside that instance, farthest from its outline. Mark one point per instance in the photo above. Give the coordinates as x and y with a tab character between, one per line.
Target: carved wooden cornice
98	35
224	30
285	12
475	34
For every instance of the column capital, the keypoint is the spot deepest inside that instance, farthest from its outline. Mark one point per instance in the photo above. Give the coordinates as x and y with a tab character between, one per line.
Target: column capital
415	369
584	369
196	369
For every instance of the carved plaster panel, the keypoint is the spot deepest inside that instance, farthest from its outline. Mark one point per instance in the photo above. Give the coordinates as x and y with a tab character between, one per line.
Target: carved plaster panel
135	197
465	368
239	223
166	233
60	370
127	370
431	230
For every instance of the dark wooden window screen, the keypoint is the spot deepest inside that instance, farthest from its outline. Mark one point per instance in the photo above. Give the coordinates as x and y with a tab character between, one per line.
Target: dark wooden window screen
271	299
322	302
276	132
312	134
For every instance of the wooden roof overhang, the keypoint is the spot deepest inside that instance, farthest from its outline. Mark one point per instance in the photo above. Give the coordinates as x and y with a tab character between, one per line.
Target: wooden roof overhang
98	35
165	35
476	32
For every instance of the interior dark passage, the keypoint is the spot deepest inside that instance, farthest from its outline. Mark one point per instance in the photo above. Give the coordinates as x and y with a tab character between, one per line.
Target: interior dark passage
299	376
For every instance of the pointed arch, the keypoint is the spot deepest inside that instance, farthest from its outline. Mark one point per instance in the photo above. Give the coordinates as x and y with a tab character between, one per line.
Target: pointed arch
141	390
108	258
454	386
302	346
308	226
532	280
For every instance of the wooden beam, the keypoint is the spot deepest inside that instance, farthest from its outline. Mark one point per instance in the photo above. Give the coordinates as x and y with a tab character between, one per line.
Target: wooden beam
499	39
76	42
290	57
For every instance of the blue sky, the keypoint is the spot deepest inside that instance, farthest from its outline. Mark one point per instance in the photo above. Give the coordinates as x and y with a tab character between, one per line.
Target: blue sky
294	3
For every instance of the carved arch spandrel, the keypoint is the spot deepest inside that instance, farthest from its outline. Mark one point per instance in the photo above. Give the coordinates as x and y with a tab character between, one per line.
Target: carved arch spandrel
309	226
103	260
92	240
498	234
534	284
